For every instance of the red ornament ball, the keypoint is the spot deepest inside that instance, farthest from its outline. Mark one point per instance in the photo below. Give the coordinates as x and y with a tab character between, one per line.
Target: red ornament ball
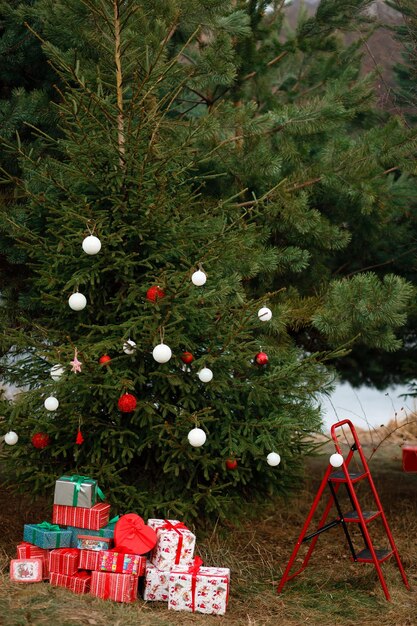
155	293
187	358
127	403
231	464
41	440
103	360
261	358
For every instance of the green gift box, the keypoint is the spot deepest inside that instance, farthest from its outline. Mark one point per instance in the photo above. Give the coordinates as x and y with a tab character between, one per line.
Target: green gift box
46	535
76	490
106	531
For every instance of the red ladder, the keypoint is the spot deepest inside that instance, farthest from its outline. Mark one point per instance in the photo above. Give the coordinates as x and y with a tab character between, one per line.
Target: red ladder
334	479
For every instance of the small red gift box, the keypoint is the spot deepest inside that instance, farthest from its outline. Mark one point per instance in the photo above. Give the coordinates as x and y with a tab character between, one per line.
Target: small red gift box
89	559
78	583
26	570
122	563
27	550
93	519
64	561
410	458
133	536
118	587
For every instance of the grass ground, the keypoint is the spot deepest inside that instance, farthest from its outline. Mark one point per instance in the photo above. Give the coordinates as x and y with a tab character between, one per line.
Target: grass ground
332	591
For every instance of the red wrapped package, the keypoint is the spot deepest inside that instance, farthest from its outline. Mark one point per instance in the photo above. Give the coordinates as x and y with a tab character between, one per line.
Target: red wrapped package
93	519
64	561
118	587
78	583
27	550
131	535
89	559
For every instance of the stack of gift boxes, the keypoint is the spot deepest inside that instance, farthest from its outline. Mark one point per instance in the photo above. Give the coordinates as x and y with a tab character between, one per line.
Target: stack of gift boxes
76	551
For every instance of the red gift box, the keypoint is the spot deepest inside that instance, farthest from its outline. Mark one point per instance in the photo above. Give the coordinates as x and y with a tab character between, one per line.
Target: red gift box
27	550
93	519
118	587
78	583
64	561
132	535
410	458
89	559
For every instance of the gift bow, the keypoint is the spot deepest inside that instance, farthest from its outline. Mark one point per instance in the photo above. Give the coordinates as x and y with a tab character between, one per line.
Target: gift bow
176	527
78	480
53	528
48	526
193	570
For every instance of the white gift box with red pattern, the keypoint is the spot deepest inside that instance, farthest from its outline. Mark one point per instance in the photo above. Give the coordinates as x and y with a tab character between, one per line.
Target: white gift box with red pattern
199	589
156	584
174	546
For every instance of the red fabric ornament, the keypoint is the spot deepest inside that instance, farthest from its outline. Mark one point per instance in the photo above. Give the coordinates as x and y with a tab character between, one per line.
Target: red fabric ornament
261	358
155	293
127	403
80	439
41	440
187	358
103	360
231	464
131	535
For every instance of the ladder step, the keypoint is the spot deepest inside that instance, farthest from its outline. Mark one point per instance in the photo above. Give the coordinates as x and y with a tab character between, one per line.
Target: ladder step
353	516
339	477
365	555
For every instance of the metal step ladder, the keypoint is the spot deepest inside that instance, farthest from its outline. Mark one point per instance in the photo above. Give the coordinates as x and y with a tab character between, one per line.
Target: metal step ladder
333	480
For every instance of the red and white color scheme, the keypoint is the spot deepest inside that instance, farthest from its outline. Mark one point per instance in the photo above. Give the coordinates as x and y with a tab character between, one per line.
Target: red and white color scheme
118	587
26	570
174	546
89	559
93	519
27	550
122	563
64	561
199	589
156	584
78	583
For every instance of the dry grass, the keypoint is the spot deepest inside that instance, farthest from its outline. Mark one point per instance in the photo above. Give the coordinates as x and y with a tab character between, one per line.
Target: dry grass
332	591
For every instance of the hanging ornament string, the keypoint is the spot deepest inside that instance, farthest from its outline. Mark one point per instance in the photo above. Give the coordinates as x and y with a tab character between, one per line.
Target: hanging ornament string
75	363
79	439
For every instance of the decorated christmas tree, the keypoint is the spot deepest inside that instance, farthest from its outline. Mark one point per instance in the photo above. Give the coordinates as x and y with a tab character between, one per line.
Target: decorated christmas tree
151	335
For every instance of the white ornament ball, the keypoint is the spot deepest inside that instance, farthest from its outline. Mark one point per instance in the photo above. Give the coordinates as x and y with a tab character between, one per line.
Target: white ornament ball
265	314
199	278
77	301
11	438
162	353
56	372
91	245
336	460
205	375
129	347
197	437
273	459
51	403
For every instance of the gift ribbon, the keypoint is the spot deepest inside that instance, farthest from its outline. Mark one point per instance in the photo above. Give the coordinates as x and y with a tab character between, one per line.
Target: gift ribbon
52	528
193	570
79	480
117	561
170	526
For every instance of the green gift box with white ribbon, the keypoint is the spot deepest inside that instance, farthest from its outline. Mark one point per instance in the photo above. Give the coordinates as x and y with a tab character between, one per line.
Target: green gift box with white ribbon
76	490
46	535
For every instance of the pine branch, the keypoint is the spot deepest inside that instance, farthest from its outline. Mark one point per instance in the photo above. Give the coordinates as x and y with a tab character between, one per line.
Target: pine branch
119	83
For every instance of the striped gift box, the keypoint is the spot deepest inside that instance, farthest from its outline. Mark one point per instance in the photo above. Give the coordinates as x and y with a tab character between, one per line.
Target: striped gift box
64	561
47	535
118	587
78	583
89	559
27	550
93	519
